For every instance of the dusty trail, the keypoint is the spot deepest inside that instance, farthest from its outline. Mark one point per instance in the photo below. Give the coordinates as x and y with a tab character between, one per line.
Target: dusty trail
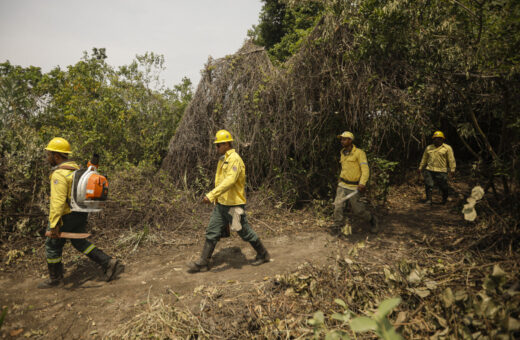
88	308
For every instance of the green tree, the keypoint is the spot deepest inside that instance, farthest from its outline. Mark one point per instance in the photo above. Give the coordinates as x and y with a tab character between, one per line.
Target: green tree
283	25
124	114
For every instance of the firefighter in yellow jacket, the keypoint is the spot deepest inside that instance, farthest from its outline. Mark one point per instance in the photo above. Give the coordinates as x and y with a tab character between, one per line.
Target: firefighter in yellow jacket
437	163
61	218
228	196
354	176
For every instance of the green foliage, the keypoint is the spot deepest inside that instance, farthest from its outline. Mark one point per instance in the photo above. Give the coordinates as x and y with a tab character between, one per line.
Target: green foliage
116	113
2	316
21	161
489	310
202	183
377	323
462	295
455	60
392	72
271	27
126	115
284	24
381	171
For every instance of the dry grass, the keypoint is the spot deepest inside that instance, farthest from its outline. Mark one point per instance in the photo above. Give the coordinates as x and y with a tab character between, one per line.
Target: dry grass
447	290
160	321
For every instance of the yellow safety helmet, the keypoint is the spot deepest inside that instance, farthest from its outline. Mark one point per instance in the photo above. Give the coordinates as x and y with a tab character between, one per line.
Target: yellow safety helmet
222	136
59	144
438	134
347	134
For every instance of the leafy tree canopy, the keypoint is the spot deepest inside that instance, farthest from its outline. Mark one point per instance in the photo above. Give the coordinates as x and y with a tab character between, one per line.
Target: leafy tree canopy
283	25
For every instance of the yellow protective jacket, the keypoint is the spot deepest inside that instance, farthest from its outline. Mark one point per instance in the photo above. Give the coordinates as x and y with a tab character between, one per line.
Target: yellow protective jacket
354	168
230	180
438	159
61	184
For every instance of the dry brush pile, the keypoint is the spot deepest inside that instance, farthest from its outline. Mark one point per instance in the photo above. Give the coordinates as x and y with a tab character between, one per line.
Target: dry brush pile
391	72
285	119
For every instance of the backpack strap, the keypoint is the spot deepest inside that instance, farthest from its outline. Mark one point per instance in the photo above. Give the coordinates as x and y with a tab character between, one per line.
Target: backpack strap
67	167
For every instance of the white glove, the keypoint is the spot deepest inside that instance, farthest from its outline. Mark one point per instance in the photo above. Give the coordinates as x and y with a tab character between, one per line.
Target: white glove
236	213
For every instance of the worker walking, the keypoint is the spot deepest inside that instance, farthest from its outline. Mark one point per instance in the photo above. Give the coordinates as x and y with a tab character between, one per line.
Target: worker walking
61	218
229	199
354	176
437	163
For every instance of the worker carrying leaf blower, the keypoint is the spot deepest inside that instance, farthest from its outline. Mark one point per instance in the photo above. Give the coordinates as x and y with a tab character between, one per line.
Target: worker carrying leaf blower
229	199
352	180
74	193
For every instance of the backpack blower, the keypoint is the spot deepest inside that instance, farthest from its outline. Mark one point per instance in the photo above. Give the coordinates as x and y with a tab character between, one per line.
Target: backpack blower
89	188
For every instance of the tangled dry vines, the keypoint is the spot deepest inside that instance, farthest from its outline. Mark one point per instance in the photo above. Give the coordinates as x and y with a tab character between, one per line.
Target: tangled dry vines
285	119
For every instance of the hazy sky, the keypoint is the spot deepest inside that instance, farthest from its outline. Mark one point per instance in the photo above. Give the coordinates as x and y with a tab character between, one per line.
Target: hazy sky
47	33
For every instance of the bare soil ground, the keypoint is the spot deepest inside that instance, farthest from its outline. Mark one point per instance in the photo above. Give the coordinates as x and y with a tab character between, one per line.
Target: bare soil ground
88	308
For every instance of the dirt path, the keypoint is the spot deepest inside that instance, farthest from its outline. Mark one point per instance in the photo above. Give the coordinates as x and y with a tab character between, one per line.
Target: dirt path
88	308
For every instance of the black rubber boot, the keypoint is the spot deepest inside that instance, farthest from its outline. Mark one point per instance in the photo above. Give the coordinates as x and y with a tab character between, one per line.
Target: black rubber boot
428	196
202	264
55	276
110	266
374	224
444	197
113	268
335	229
262	256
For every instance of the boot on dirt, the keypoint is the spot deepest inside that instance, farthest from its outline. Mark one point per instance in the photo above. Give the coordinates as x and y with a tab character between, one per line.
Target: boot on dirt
428	196
110	266
374	224
114	267
335	229
444	198
202	264
262	256
55	276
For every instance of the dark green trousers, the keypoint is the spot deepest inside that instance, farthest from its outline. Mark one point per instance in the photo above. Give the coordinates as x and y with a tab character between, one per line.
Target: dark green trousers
75	222
220	219
431	178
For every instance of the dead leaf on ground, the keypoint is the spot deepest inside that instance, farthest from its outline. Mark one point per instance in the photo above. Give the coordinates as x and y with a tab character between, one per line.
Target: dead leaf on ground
16	332
401	317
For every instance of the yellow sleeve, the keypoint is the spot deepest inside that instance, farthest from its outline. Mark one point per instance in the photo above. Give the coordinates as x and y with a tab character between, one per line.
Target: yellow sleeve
230	178
451	160
59	192
424	159
363	165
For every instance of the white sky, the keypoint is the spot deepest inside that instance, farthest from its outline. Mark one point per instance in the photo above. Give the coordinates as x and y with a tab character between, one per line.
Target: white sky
47	33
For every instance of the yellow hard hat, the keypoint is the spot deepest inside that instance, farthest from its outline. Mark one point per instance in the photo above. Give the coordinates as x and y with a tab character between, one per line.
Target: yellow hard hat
347	134
222	136
439	134
59	144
